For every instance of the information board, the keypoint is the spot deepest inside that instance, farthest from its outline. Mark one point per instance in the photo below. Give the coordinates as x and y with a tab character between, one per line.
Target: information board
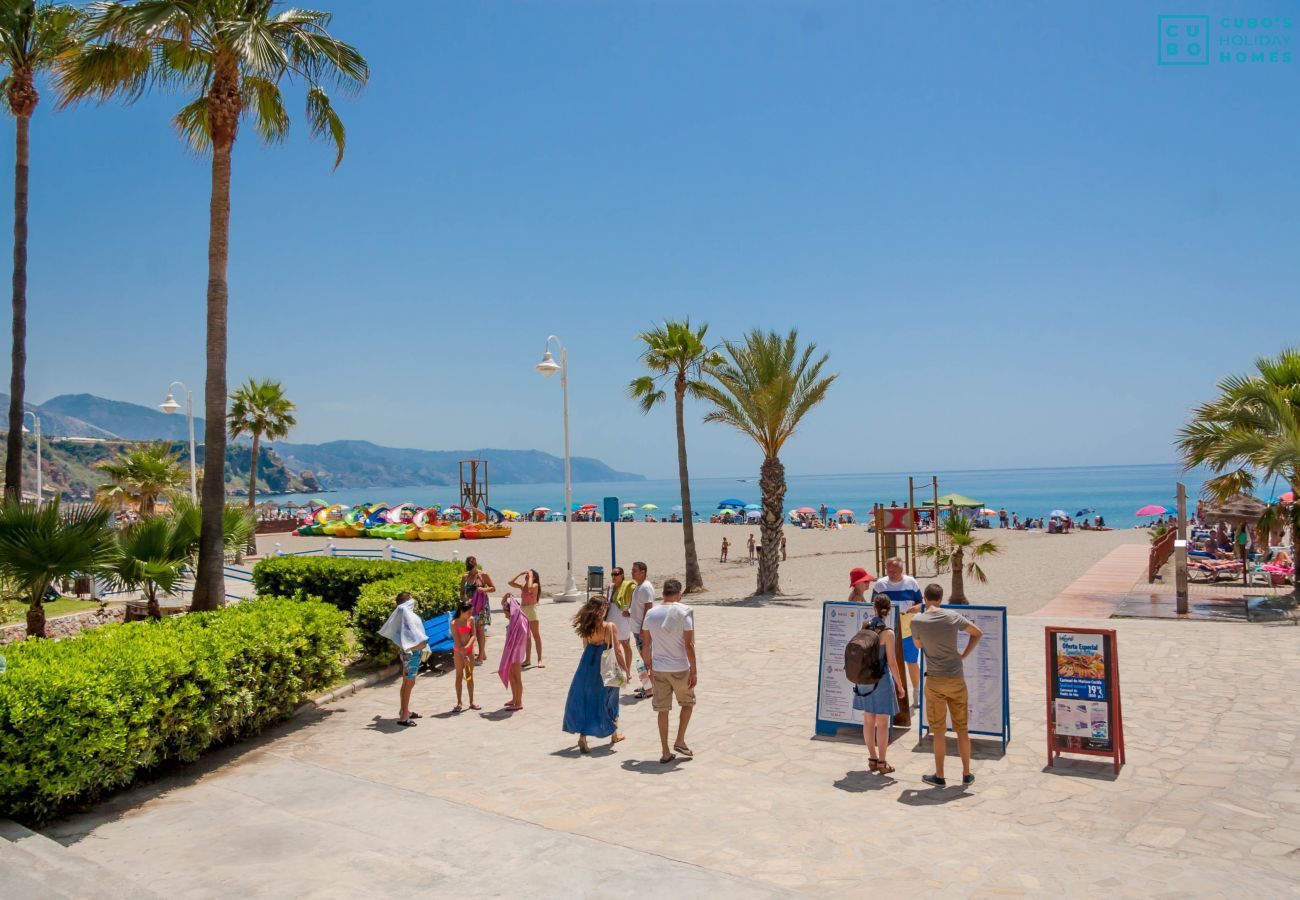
1084	714
841	620
986	674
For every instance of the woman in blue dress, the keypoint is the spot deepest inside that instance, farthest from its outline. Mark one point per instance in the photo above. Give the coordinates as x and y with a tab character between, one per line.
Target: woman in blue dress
878	703
592	708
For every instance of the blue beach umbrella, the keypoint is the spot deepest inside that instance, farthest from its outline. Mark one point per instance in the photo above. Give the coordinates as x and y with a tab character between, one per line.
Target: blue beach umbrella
738	504
752	506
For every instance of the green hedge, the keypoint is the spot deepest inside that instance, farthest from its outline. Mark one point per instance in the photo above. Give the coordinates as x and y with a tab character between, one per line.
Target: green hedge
337	580
83	717
364	586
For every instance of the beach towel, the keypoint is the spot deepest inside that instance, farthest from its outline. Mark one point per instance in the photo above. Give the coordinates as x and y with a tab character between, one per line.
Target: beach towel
516	640
479	603
404	627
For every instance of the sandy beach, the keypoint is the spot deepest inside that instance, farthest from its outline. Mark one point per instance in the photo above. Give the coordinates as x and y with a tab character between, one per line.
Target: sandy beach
1031	569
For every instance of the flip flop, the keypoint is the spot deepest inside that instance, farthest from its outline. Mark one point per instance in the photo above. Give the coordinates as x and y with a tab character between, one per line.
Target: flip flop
665	760
406	723
415	715
475	706
458	708
541	665
684	750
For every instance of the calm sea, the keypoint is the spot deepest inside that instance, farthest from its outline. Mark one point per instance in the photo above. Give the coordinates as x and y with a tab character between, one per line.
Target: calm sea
1115	492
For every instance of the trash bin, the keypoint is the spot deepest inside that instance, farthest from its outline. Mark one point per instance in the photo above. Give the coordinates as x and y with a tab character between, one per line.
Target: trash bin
595	578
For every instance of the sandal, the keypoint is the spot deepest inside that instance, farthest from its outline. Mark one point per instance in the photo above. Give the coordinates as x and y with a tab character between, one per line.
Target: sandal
665	760
512	708
415	715
684	750
475	706
873	763
582	745
885	768
406	723
458	708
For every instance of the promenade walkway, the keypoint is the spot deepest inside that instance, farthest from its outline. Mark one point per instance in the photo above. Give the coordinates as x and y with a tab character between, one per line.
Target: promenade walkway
1100	591
343	803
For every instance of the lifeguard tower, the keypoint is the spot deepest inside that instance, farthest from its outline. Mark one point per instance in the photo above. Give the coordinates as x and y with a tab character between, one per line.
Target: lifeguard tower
474	486
901	530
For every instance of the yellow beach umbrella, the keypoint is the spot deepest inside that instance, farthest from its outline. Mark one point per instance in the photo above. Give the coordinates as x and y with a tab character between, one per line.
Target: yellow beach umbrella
648	506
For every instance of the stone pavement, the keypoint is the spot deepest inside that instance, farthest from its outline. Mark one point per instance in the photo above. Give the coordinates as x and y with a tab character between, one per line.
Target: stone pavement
343	801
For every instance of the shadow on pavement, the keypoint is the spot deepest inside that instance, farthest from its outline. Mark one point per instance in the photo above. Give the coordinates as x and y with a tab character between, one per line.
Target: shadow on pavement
860	782
1098	770
653	766
978	749
497	715
385	725
933	796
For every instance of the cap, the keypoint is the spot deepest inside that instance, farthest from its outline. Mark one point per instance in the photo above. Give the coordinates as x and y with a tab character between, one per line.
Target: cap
859	575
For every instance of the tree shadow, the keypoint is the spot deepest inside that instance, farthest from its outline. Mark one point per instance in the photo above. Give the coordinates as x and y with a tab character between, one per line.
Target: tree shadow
861	782
754	601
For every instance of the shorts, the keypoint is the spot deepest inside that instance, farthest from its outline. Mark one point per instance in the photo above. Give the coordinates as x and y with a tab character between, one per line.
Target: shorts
910	653
636	636
945	695
530	612
672	684
410	663
621	622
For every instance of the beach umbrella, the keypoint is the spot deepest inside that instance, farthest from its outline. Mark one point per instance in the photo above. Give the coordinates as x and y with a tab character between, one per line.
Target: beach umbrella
541	509
1085	511
1058	514
728	513
678	508
805	510
956	500
753	514
1151	510
988	512
738	504
629	506
648	506
585	507
752	506
1288	497
844	512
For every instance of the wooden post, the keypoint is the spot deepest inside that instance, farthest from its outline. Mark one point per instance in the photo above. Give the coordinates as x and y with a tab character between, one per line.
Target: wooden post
1180	551
911	527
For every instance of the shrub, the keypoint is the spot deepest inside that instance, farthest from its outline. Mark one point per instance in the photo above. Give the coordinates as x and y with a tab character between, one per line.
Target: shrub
83	717
334	579
434	585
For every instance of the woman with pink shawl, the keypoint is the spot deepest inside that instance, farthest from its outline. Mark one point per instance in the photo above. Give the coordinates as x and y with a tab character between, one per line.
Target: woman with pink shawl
512	655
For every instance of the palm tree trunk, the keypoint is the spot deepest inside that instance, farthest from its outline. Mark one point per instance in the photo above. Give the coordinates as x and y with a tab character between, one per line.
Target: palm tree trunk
694	580
958	577
252	472
209	580
18	355
771	482
36	618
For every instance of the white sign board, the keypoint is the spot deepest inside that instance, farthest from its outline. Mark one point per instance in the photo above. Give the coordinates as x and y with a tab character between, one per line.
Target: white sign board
985	670
840	622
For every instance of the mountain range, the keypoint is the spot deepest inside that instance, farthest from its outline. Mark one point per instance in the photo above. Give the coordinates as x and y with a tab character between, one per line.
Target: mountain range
332	465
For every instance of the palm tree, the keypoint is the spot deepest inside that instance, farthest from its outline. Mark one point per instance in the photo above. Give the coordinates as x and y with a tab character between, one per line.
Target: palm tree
32	37
154	553
961	541
234	55
675	351
1251	432
140	476
259	408
763	388
39	544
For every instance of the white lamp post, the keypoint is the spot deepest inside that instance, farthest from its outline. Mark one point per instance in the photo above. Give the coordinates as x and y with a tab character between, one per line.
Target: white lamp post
548	366
170	406
40	483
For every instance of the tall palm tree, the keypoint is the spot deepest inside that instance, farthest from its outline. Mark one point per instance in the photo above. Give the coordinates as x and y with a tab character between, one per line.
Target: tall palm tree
261	409
1251	432
961	542
32	37
234	55
39	544
676	352
140	475
764	388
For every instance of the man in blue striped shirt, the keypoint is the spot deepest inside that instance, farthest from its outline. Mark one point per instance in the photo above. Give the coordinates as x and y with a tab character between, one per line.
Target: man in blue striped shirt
905	594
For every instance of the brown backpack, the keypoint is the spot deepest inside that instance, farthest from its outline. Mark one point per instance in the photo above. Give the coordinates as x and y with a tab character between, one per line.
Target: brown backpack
862	659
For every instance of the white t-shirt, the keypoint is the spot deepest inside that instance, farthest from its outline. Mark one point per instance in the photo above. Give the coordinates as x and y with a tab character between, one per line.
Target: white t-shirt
642	596
668	624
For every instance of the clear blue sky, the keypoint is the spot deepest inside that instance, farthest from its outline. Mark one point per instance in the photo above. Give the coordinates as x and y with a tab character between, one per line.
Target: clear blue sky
1022	242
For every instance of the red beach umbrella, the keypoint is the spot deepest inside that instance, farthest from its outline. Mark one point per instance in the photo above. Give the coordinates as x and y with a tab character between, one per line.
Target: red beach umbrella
1152	510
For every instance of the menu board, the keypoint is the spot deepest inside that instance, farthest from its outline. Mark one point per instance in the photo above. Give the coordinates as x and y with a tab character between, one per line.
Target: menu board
1083	703
840	622
985	671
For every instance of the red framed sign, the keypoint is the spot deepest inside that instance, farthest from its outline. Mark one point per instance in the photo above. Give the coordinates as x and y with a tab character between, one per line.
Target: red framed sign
1084	712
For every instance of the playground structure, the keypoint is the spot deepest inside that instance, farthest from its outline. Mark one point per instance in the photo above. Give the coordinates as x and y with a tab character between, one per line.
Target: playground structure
472	519
901	530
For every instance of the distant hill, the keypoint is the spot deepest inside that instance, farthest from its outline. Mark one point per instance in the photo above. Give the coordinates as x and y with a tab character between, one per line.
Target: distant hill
346	464
336	464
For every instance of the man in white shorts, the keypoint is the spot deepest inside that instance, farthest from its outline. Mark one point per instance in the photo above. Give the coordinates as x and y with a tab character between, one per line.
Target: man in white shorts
643	597
668	634
620	613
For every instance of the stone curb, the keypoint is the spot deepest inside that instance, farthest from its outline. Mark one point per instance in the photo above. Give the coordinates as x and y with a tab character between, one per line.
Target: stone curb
351	688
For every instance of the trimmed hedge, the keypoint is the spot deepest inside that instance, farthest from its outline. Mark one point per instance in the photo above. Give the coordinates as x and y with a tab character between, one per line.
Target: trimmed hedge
86	716
366	587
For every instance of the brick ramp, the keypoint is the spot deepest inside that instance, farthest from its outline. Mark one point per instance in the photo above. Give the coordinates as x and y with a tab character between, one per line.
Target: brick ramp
1098	592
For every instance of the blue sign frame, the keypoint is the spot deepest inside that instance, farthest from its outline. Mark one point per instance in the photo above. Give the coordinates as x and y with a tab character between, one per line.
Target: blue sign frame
1005	733
831	726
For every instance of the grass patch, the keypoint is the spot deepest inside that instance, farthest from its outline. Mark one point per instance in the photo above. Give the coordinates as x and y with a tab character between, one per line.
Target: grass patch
64	606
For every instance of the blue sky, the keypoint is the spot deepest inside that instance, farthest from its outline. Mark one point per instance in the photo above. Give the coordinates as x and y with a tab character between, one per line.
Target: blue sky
1021	241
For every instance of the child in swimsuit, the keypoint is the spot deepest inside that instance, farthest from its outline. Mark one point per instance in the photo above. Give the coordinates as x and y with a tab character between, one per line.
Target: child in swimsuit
462	634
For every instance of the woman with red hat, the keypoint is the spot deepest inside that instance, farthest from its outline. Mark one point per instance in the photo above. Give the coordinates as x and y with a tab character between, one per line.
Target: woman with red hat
860	585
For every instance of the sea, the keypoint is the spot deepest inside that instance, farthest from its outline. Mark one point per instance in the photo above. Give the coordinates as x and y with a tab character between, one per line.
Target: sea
1114	492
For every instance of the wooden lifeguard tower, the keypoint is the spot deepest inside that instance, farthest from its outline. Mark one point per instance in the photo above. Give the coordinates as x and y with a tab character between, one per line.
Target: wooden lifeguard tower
474	485
897	531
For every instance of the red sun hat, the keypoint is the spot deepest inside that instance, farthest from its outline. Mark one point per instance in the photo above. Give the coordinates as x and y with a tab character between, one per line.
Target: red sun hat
859	575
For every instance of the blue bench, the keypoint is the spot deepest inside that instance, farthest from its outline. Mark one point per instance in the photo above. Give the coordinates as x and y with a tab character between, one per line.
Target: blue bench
439	631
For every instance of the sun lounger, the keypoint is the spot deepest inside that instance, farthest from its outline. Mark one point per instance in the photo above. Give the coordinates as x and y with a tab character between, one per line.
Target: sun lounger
1213	570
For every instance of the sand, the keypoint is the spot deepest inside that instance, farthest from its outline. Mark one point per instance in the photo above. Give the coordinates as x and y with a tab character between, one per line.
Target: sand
1031	569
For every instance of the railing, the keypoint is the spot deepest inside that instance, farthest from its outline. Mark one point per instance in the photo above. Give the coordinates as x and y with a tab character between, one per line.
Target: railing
1161	549
388	551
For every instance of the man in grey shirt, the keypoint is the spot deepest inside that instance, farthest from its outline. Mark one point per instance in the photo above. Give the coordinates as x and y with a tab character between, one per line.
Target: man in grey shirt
935	632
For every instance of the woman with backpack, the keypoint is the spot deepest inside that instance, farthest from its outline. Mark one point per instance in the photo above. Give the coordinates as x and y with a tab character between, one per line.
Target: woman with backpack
878	703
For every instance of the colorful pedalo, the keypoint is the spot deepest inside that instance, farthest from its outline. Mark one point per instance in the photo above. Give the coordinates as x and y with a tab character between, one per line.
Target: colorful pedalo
403	522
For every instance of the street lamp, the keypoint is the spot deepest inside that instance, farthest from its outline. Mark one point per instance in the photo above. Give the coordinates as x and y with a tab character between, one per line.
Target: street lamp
40	484
170	406
548	366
